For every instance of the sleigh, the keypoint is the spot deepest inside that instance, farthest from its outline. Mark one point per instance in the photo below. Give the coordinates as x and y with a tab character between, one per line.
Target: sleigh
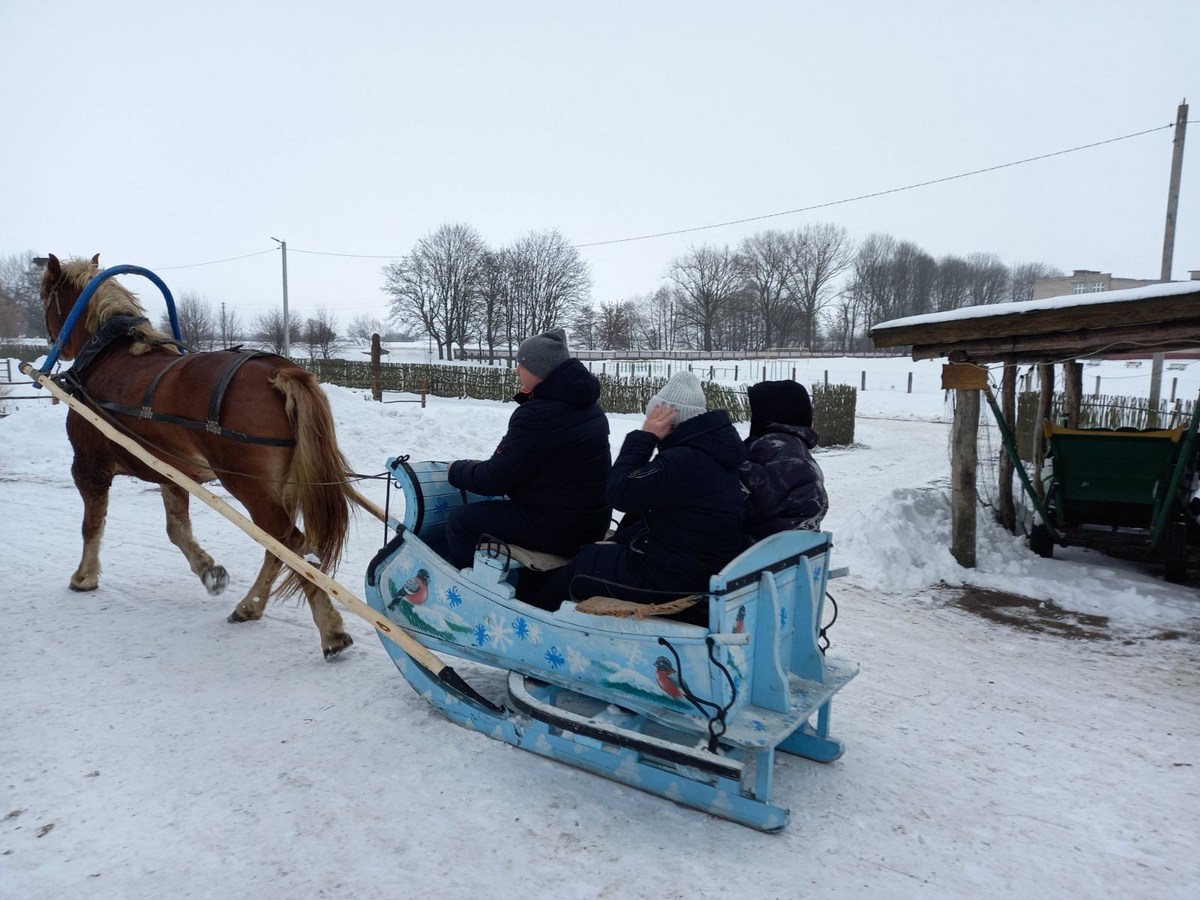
693	713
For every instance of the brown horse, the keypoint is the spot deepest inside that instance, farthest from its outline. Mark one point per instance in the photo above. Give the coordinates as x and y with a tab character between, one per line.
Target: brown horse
261	427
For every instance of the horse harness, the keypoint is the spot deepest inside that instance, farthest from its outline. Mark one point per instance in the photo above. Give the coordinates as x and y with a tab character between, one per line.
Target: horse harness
72	381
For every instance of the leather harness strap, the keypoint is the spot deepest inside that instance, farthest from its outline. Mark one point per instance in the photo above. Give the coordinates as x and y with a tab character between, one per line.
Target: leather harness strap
120	326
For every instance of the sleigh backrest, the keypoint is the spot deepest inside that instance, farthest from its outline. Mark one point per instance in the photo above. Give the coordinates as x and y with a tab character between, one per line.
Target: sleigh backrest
428	497
775	591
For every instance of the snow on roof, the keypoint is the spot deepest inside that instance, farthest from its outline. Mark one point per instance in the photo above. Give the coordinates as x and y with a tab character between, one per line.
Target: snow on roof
1129	295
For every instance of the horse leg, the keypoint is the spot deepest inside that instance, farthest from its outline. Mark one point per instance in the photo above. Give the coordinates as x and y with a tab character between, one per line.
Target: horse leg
252	605
179	530
334	638
93	488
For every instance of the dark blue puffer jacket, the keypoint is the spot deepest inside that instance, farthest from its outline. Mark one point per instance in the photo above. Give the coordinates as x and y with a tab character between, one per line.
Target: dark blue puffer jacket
683	509
555	457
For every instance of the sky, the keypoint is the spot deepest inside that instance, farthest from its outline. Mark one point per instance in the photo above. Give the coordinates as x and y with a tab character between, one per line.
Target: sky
151	749
174	135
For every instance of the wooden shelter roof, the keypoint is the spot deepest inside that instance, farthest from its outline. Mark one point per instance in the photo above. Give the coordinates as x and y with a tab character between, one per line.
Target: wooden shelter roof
1150	319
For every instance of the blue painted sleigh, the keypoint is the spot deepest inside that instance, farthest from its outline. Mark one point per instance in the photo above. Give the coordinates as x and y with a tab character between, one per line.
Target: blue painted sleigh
695	714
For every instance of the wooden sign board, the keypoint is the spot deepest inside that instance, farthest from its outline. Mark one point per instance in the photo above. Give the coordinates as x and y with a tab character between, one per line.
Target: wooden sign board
964	377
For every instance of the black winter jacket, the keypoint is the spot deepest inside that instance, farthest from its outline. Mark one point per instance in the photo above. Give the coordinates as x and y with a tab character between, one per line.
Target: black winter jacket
554	458
786	486
683	509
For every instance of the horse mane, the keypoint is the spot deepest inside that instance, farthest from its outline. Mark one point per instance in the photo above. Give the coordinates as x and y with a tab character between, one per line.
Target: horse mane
112	299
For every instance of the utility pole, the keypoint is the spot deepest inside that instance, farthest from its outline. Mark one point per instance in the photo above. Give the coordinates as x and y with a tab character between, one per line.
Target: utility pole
287	342
1168	254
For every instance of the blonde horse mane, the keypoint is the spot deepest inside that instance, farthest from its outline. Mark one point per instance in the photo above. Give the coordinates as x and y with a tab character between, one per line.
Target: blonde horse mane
111	299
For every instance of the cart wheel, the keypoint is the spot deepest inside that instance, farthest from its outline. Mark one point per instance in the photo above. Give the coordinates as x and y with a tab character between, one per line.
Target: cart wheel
1041	542
1175	551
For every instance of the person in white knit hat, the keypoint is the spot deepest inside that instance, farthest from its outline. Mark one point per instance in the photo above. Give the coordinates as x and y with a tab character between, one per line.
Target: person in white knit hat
682	506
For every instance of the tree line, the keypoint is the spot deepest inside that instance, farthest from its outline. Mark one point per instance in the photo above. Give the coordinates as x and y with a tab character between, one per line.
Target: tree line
812	287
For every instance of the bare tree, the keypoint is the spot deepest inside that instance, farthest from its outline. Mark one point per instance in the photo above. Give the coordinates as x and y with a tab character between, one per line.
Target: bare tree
436	286
493	300
363	326
197	323
1022	278
548	281
705	280
656	319
823	254
953	287
229	326
989	279
768	262
21	295
268	328
320	333
614	330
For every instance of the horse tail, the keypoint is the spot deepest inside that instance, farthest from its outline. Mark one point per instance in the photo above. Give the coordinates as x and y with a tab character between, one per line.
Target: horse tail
317	485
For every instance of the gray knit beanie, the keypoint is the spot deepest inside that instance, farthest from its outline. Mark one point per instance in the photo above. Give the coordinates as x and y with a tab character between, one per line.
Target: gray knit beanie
543	353
683	394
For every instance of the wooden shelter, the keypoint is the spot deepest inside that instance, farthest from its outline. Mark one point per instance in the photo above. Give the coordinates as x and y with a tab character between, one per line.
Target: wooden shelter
1058	330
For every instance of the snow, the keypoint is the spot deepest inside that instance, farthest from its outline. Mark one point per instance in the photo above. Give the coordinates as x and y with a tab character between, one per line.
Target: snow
151	749
1065	301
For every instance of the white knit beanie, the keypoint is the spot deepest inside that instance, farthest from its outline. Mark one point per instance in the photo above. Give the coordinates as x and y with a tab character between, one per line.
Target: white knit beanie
683	394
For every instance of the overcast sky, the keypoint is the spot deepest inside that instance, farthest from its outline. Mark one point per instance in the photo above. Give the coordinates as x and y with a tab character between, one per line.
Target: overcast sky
172	134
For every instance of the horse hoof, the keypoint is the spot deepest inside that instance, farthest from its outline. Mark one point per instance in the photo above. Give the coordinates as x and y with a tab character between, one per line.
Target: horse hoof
215	580
235	617
341	641
83	588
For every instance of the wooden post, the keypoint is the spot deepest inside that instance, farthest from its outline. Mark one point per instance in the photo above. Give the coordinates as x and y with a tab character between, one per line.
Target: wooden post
1097	394
377	352
864	379
826	378
1073	388
1008	407
1174	385
964	460
1045	400
910	382
764	378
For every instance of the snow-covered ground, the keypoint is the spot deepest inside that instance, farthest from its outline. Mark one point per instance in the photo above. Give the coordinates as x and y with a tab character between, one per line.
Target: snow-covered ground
150	749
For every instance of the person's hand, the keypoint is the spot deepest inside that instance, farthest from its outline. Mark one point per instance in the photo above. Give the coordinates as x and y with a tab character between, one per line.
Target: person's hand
661	421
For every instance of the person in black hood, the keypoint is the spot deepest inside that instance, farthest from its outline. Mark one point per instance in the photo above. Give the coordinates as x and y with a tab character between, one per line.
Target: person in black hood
786	486
552	463
682	508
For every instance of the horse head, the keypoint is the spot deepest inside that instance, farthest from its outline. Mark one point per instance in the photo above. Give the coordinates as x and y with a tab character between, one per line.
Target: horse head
63	282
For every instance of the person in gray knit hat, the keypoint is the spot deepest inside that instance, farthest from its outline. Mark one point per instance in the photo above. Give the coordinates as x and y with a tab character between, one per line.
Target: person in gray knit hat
543	353
551	465
683	394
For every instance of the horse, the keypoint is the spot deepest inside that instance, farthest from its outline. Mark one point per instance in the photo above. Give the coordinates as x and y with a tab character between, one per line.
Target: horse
255	422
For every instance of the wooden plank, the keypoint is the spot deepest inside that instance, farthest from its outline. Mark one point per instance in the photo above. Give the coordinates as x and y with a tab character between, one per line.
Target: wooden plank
964	376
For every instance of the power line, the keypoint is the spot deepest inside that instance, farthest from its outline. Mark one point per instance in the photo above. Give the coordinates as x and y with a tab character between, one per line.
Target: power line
214	262
758	218
908	187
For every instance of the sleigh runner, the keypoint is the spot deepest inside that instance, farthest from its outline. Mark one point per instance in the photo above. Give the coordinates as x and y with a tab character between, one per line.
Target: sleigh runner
692	713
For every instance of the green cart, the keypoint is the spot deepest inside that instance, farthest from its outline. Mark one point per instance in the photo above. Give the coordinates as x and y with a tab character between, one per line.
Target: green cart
1119	491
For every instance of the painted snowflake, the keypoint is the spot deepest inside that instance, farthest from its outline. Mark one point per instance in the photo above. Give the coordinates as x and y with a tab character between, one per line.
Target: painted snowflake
454	596
442	505
500	633
783	618
482	635
520	627
635	655
576	661
535	634
759	726
554	658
